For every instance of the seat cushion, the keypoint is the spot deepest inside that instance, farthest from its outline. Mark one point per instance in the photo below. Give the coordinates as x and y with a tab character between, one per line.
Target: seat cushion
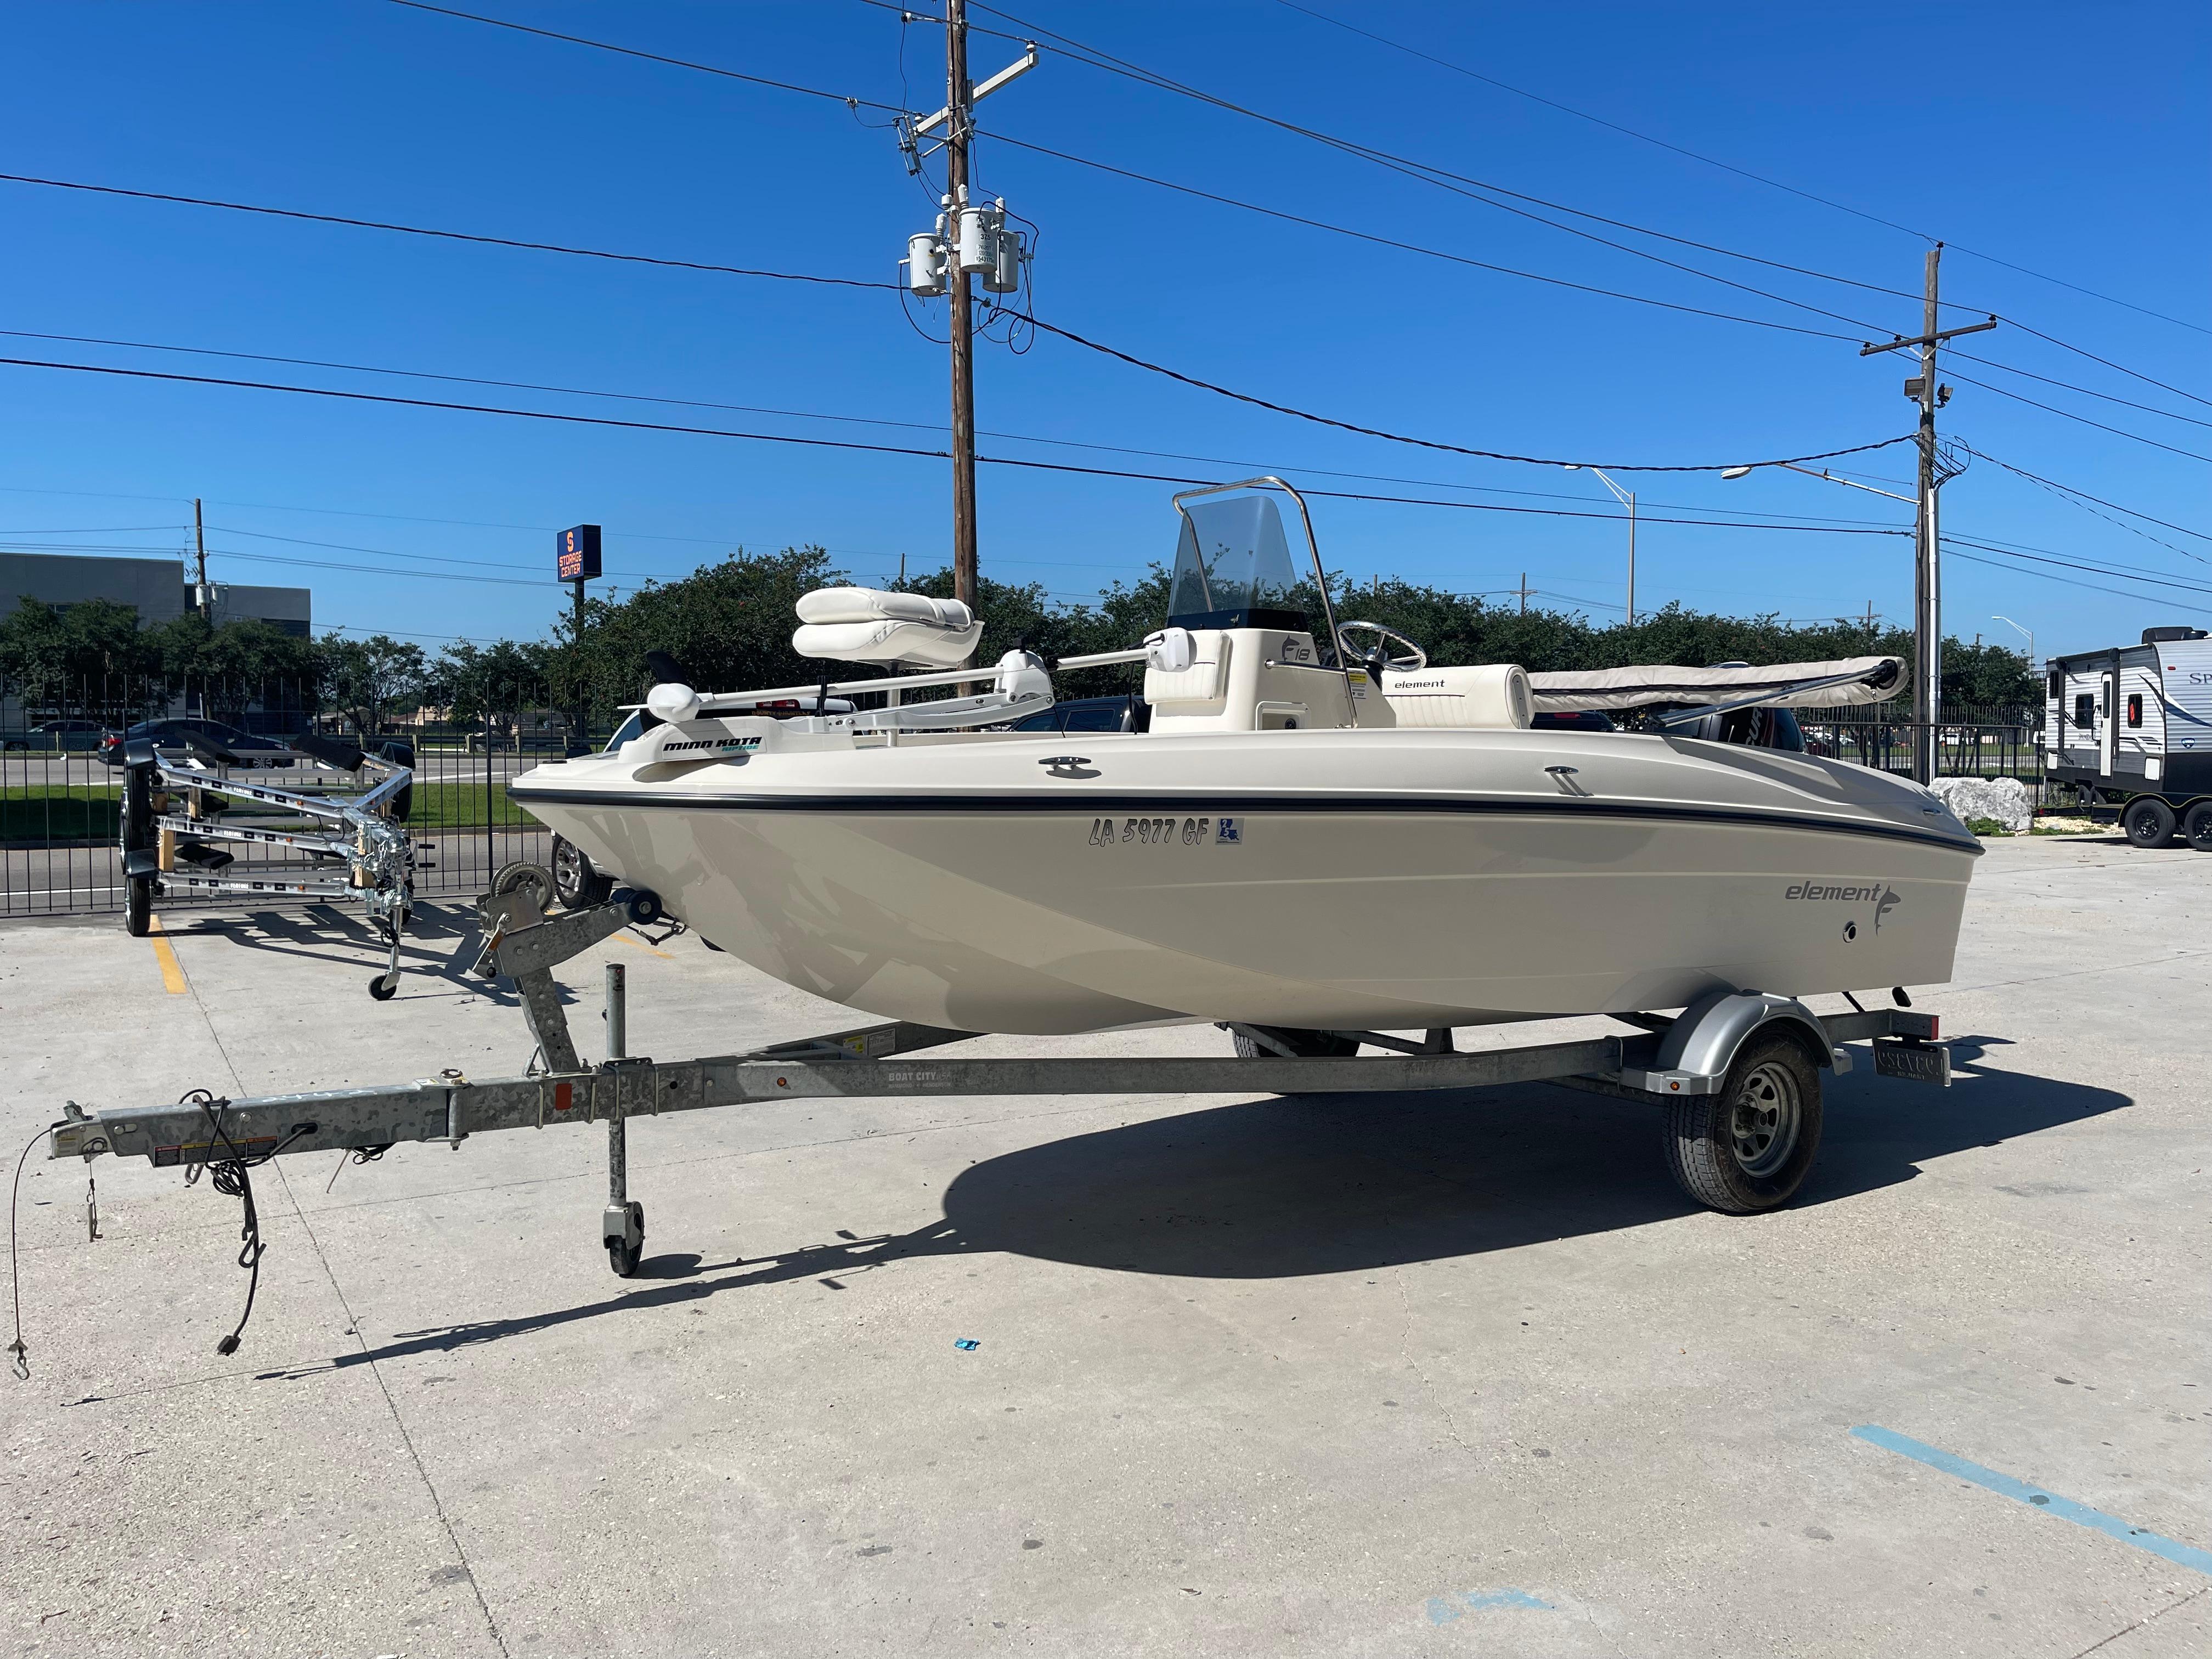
919	643
869	605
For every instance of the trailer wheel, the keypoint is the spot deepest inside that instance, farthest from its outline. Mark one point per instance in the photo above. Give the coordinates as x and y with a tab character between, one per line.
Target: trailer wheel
2197	826
1749	1147
623	1256
2149	821
579	886
139	905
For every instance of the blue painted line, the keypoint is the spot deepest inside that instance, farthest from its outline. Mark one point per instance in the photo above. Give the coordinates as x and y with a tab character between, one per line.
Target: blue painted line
2181	1554
1443	1609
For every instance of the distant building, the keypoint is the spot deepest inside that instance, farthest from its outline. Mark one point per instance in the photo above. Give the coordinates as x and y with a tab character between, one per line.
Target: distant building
154	588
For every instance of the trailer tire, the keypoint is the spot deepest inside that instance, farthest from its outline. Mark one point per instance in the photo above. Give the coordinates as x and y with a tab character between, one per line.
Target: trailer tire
2197	826
575	883
2149	821
139	905
623	1256
1749	1147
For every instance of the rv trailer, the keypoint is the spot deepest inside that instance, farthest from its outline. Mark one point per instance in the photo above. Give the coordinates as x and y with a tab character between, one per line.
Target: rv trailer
2133	725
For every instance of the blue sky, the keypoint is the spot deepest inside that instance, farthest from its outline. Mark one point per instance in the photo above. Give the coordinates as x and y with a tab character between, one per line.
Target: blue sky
2069	140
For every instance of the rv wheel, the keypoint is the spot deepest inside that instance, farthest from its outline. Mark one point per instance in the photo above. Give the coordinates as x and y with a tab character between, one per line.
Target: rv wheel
1749	1147
2149	821
139	905
2197	826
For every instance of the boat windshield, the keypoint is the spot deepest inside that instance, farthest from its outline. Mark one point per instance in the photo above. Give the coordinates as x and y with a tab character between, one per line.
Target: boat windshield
1233	567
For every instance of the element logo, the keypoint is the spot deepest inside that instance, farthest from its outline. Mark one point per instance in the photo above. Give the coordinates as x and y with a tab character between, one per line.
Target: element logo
1884	898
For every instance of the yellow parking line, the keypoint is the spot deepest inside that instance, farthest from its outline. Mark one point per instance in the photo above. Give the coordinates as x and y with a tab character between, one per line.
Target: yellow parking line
640	945
172	975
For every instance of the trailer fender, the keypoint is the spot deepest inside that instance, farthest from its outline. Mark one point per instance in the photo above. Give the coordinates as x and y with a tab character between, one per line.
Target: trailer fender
1697	1050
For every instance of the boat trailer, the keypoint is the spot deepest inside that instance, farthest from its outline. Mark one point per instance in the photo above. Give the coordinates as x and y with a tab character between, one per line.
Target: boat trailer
1695	1063
174	821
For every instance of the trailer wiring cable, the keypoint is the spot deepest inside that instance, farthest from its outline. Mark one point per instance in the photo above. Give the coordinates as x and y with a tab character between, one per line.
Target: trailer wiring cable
18	1351
233	1176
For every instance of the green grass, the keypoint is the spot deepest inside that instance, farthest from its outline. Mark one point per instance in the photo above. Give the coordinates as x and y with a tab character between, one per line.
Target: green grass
88	816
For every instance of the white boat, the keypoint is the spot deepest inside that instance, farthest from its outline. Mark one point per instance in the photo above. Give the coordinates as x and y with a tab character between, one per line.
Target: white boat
1297	842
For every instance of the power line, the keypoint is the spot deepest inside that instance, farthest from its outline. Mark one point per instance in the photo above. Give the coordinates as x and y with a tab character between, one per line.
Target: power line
931	454
1742	173
1974	558
2087	392
1444	178
2121	367
1424	443
2123	571
2069	489
444	235
1410	247
2068	413
805	415
653	57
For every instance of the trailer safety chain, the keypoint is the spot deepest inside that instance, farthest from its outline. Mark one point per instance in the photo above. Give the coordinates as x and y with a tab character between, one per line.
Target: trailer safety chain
233	1178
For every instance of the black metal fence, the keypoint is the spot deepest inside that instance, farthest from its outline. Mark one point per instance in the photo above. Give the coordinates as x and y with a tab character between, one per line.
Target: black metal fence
1970	743
61	785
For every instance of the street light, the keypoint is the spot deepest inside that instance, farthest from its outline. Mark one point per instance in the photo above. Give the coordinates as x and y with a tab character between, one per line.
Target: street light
2030	632
1628	498
1732	473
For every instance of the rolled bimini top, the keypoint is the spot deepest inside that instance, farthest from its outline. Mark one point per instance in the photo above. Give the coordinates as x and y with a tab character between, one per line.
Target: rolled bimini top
1785	685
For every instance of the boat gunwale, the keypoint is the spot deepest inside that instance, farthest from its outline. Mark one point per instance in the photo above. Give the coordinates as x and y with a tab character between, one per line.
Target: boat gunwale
1216	804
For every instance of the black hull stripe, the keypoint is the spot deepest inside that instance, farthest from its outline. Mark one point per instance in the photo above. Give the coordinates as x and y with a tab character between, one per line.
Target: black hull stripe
1104	805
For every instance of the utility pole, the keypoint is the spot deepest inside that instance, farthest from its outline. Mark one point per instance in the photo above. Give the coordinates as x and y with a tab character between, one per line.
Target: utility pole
200	596
971	240
1524	591
1927	543
957	135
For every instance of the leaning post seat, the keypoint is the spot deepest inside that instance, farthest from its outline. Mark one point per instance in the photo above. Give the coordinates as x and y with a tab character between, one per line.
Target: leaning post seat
866	624
1492	694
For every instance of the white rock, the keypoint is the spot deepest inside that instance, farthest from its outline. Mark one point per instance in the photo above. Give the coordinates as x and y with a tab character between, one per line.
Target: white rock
2004	799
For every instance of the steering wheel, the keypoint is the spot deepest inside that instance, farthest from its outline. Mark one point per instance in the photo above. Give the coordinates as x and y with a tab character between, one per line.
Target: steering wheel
1377	657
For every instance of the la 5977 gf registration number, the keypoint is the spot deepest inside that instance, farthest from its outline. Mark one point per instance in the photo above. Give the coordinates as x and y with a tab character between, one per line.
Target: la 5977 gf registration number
1167	832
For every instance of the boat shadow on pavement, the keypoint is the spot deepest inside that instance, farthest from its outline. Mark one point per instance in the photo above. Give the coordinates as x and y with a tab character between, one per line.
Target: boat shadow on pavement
1281	1186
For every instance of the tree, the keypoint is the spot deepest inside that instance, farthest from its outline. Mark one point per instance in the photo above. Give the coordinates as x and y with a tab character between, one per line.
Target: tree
729	625
365	677
494	683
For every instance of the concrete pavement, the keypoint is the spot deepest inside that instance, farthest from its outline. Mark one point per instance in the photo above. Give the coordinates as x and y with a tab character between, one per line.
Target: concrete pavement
1378	1375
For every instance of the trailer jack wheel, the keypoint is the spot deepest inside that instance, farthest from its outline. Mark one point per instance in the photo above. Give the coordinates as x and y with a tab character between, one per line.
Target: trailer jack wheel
383	986
624	1227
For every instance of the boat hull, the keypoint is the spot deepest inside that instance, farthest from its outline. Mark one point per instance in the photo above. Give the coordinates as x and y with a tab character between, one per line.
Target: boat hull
1414	898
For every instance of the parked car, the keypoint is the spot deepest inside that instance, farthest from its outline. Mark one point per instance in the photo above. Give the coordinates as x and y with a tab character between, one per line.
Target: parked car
1122	713
173	736
60	734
